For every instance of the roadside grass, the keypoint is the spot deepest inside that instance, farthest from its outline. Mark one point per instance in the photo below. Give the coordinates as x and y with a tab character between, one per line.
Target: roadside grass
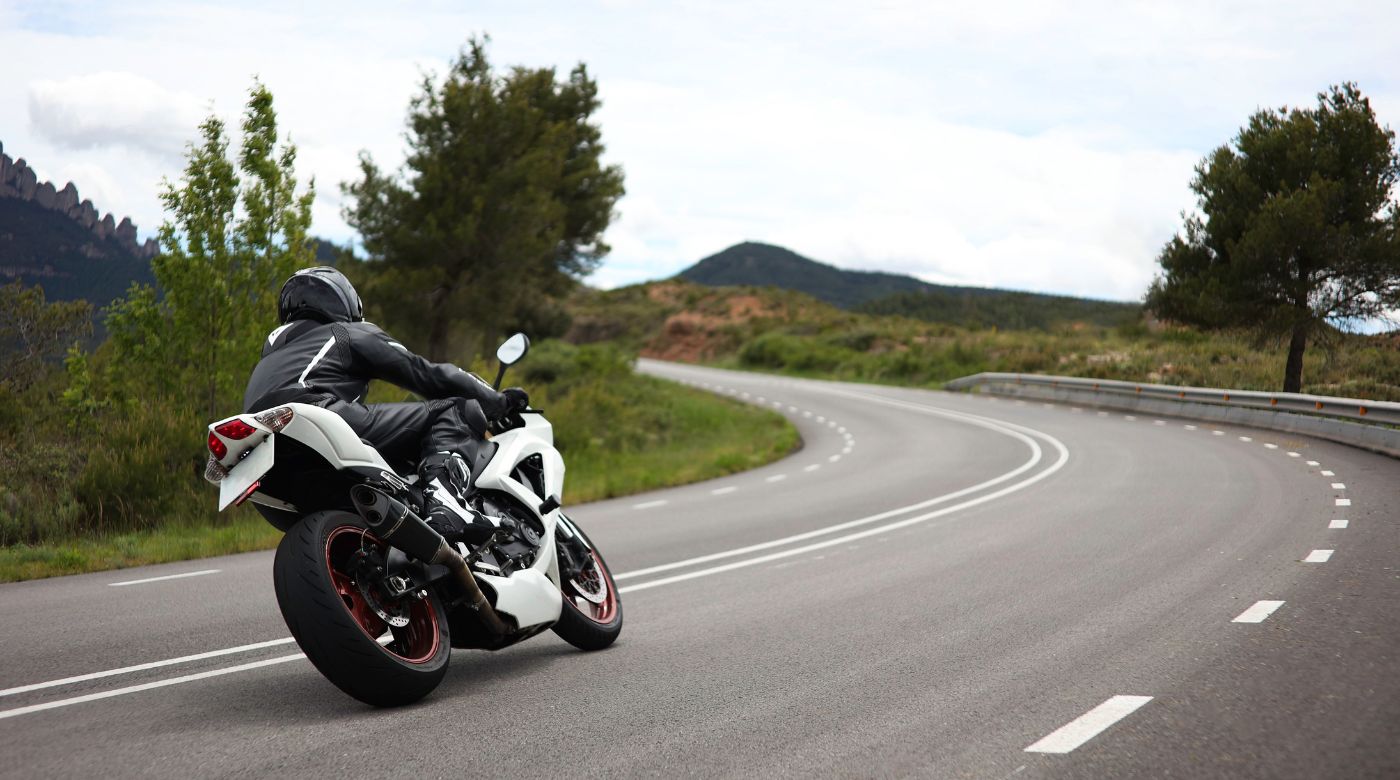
68	510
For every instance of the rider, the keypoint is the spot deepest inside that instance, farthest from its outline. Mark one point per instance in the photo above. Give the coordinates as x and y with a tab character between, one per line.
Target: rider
325	354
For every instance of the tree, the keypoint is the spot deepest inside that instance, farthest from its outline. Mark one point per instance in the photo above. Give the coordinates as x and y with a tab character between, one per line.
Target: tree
35	333
1297	234
500	208
228	245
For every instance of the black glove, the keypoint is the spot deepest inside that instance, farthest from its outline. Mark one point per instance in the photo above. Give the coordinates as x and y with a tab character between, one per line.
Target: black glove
517	400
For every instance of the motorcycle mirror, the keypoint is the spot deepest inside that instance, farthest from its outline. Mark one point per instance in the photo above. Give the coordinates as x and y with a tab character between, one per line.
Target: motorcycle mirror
509	353
513	349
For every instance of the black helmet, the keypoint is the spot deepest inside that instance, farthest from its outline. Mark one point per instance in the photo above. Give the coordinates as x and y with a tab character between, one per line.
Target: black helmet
321	293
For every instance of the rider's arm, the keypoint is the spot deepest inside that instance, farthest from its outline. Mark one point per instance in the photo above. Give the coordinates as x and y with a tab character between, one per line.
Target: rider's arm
382	357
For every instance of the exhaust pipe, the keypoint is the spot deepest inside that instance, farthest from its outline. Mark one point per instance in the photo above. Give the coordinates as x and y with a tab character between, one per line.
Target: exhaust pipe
392	521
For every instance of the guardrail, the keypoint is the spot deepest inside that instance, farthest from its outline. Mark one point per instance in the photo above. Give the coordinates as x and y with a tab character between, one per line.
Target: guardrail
1352	421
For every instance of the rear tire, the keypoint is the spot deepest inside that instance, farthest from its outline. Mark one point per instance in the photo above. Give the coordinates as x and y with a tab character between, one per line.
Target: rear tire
598	626
336	627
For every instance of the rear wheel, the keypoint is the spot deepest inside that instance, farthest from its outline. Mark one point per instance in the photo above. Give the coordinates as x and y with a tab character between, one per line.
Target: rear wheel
591	618
381	650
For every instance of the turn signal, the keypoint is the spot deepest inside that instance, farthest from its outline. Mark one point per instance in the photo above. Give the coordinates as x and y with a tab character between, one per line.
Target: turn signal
275	419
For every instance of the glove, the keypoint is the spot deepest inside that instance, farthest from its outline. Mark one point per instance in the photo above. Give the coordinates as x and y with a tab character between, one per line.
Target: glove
516	399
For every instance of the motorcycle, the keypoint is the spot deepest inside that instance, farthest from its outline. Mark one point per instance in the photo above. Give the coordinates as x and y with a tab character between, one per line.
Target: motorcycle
374	596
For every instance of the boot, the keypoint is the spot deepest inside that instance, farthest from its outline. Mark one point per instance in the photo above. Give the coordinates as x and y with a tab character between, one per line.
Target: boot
451	472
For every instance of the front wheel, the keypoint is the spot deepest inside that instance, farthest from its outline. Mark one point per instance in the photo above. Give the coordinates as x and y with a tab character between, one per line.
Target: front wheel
591	618
383	651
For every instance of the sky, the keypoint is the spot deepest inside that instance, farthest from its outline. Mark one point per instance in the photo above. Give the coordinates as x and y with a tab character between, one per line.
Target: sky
1036	145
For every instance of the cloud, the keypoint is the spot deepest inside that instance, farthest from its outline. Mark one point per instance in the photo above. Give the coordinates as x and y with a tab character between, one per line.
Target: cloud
108	109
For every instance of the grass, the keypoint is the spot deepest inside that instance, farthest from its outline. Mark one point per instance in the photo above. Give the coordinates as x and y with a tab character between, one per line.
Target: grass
69	508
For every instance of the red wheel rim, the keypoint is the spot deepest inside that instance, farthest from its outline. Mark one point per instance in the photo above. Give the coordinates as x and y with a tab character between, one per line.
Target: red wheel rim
415	643
605	612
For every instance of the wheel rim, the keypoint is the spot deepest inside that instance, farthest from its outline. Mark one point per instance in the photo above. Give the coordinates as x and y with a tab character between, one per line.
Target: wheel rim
414	643
589	585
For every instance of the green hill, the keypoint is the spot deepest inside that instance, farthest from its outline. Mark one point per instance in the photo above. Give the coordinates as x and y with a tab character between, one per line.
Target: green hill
874	292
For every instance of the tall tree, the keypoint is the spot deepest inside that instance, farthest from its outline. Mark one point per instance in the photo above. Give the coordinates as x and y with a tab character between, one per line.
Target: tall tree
1298	233
35	333
500	208
236	230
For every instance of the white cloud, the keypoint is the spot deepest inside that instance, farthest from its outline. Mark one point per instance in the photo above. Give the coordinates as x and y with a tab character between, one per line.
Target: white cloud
113	109
1021	143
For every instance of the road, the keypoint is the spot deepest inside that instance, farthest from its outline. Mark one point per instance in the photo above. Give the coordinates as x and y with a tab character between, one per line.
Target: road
935	585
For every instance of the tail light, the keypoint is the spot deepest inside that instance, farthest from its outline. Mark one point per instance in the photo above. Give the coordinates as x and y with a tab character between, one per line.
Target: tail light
275	419
217	446
235	429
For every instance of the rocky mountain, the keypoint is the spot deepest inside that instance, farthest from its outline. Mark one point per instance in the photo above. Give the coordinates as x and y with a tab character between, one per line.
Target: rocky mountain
763	265
52	237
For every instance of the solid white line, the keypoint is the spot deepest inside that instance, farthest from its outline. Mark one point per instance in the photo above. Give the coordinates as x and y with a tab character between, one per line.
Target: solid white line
1337	524
776	478
1329	473
1339	486
49	705
1318	556
141	667
650	504
1007	428
166	577
1343	502
1258	612
723	490
813	467
1089	725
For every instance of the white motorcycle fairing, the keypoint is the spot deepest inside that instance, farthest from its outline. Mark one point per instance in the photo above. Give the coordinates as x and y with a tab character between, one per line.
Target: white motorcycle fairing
530	596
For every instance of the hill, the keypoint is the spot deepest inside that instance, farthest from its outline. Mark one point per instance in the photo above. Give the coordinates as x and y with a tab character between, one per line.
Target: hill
764	265
49	237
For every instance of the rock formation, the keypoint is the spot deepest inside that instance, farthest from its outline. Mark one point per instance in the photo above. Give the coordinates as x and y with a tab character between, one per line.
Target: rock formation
18	180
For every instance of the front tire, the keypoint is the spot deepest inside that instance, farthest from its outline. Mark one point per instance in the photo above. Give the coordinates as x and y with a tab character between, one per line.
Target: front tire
587	621
333	619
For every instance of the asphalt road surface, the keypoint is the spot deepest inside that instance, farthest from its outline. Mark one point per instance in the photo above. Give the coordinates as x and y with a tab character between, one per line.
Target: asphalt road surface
935	585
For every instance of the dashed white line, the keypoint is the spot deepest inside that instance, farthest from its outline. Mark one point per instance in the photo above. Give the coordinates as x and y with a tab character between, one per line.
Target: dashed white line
834	458
1329	473
1270	446
1089	725
842	429
1343	502
813	467
1318	556
650	504
1075	409
1129	417
166	577
846	451
1159	422
1338	523
793	409
1217	433
776	478
723	490
1258	612
1294	455
1103	414
1313	463
821	418
1245	438
1339	486
1189	427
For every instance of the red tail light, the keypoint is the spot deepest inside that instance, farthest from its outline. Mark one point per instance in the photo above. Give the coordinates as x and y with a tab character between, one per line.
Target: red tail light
216	446
235	429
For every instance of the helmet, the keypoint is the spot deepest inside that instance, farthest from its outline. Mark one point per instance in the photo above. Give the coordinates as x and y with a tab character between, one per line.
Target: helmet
321	293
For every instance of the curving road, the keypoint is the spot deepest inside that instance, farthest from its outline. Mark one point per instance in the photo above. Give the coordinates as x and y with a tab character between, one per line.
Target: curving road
935	586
